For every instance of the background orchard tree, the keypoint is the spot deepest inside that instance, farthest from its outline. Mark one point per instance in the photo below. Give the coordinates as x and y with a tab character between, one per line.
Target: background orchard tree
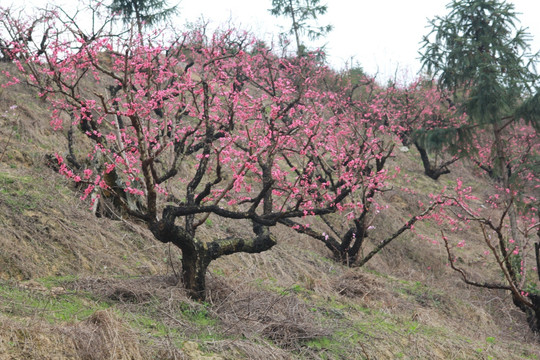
424	116
351	161
302	13
517	260
478	54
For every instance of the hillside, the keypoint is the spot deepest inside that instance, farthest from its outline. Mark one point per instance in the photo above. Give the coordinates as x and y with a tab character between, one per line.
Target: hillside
74	286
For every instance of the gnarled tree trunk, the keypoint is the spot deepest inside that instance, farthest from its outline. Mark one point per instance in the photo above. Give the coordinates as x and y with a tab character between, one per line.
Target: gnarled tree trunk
197	254
532	313
430	169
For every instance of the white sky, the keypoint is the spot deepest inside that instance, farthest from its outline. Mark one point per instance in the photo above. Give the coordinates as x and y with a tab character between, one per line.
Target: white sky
383	36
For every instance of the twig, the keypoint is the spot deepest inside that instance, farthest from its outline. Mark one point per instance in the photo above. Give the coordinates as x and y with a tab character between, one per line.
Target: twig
171	262
405	227
364	350
464	275
7	143
173	318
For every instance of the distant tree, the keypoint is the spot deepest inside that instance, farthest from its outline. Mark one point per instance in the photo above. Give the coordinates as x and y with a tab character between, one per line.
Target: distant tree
517	259
478	54
420	114
301	12
143	12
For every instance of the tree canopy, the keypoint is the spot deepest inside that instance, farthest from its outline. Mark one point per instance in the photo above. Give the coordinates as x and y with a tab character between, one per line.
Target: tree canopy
479	53
301	13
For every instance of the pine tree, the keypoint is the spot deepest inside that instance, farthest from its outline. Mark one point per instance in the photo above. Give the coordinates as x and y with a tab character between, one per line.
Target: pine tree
144	12
478	53
301	12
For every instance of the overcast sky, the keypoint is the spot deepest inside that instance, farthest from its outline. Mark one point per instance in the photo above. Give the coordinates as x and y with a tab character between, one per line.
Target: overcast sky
381	35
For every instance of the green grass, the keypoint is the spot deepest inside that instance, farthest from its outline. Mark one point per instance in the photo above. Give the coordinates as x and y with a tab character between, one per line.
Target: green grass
218	272
150	318
322	343
65	307
150	325
270	284
11	184
422	294
18	303
56	281
17	192
356	324
199	315
338	345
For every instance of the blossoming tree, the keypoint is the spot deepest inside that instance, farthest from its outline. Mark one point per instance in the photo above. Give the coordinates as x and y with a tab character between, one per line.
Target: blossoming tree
197	126
179	130
483	59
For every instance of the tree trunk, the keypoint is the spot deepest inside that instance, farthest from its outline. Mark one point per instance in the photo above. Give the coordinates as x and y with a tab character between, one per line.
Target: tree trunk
532	314
430	170
197	255
537	256
194	265
299	48
500	163
353	241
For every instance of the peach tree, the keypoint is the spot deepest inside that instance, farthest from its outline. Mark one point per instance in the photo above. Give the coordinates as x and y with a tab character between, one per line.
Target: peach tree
182	126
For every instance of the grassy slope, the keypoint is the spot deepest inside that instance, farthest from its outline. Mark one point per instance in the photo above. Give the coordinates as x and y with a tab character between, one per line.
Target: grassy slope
75	286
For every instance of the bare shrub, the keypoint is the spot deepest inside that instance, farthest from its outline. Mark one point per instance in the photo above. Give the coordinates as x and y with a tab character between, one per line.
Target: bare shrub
280	317
354	284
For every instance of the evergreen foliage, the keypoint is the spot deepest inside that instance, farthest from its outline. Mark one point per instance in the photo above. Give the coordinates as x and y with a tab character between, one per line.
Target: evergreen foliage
481	56
301	12
144	12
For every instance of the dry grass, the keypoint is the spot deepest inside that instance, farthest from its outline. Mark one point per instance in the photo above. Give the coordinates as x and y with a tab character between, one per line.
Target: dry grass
281	317
102	336
49	232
